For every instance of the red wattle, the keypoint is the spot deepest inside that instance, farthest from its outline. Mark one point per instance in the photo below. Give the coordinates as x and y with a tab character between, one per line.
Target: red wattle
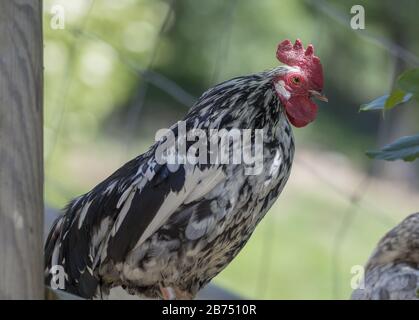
300	111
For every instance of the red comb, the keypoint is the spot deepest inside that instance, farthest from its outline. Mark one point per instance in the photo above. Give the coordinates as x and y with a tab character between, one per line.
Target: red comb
295	55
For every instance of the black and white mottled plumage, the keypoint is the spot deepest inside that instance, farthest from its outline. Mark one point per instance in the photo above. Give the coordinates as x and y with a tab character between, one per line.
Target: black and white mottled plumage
392	272
148	226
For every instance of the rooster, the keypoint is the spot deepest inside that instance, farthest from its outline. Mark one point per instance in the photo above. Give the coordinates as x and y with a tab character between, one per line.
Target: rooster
163	232
392	271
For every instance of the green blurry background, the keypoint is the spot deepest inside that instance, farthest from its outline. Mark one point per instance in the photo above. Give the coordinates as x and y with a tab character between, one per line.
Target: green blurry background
120	70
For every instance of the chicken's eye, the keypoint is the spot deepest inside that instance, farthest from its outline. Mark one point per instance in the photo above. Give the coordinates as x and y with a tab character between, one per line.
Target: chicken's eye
295	80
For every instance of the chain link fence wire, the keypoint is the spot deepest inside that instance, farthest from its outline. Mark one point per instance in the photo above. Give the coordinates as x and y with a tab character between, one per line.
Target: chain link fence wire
151	77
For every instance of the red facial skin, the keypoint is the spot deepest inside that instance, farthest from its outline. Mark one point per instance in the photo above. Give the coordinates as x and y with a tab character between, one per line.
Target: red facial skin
300	109
300	85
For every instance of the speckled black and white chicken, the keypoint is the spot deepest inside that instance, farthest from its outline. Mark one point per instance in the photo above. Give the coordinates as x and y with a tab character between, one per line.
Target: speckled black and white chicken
162	231
392	271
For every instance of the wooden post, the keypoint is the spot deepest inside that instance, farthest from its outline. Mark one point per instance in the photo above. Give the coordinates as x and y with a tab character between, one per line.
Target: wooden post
21	150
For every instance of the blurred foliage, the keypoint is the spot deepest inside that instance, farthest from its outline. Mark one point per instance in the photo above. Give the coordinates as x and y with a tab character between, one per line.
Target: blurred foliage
407	86
405	148
388	101
100	111
409	82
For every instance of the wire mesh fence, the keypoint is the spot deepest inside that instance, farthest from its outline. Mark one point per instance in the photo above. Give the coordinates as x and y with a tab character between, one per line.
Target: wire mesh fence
151	77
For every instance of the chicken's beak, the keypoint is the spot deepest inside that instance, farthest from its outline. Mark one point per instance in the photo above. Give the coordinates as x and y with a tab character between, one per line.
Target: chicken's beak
318	95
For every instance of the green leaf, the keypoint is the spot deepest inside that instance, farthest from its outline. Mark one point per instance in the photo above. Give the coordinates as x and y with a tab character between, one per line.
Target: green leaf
387	102
396	97
409	81
405	148
376	104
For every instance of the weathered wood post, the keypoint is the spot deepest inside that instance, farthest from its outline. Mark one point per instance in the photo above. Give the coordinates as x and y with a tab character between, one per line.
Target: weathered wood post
21	150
